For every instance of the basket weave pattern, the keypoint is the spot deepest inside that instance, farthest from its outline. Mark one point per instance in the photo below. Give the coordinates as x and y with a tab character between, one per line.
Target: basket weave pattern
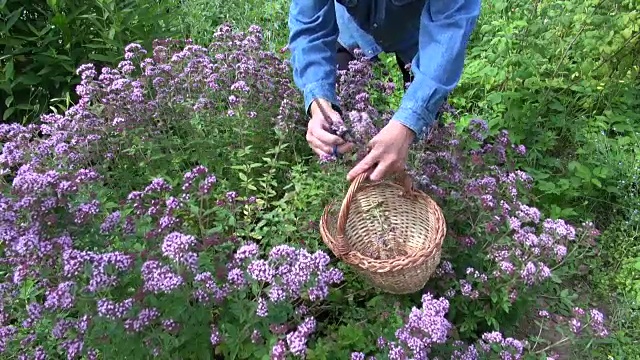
389	232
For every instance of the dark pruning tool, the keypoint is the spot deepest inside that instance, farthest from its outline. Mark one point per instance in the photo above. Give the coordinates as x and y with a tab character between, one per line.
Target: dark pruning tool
340	130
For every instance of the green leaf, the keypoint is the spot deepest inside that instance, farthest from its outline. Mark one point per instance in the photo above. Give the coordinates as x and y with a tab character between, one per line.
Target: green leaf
556	105
494	297
547	187
376	300
580	170
572	165
13	17
505	307
601	172
9	70
28	79
8	113
612	189
495	98
350	334
100	57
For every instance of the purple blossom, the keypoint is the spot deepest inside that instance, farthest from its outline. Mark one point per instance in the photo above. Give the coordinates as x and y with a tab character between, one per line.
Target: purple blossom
236	277
262	310
246	251
215	336
114	310
86	211
7	333
61	298
260	270
72	347
110	222
34	310
424	327
297	340
158	186
176	247
159	278
279	350
207	184
145	318
170	325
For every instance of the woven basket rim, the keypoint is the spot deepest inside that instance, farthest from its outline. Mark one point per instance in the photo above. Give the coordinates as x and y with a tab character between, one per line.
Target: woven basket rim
356	258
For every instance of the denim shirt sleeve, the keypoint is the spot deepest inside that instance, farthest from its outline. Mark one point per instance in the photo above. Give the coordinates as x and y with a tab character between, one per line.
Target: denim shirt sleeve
445	29
313	37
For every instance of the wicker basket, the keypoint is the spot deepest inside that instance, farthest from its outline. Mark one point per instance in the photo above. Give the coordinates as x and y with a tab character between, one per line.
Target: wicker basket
388	232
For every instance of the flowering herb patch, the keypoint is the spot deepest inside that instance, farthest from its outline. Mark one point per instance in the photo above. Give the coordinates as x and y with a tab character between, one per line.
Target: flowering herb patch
194	262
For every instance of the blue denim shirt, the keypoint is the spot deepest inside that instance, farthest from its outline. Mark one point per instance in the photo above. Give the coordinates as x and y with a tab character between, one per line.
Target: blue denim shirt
432	35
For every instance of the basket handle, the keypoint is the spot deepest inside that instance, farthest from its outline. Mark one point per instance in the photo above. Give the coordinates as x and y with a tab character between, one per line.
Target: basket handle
403	180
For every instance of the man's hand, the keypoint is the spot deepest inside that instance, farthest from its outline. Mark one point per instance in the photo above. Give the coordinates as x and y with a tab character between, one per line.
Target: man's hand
319	137
388	152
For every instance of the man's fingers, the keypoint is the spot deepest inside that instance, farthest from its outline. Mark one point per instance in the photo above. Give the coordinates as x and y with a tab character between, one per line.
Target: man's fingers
363	165
314	142
318	152
317	145
382	170
333	119
326	137
343	149
328	149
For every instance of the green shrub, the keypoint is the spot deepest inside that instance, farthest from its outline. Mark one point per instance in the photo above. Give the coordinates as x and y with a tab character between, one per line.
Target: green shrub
170	213
43	42
557	74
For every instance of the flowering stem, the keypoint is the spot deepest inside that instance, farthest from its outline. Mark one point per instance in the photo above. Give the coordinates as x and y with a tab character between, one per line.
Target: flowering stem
200	210
539	333
575	248
491	242
561	341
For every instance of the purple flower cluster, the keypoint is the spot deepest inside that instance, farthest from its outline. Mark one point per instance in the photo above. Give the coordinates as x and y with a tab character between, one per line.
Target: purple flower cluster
476	177
285	275
232	70
423	328
294	270
582	321
169	266
491	345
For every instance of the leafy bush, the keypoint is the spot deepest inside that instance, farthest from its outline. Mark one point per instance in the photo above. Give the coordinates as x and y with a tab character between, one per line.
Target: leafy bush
616	275
165	214
45	41
557	74
202	17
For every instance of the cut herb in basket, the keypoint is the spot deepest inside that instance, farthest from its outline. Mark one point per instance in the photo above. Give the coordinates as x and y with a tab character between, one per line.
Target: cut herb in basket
388	243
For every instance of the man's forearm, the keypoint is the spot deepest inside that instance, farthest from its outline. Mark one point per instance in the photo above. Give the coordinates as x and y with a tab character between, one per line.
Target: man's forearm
445	29
313	34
